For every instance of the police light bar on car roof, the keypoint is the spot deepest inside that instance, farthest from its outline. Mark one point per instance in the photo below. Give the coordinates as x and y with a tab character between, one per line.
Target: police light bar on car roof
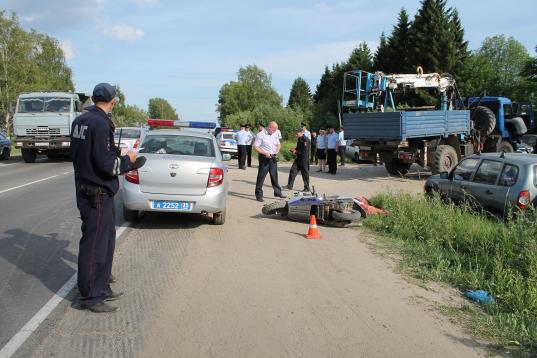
179	124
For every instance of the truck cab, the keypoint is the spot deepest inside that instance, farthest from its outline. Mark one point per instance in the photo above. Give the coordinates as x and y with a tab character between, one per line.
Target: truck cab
512	121
42	122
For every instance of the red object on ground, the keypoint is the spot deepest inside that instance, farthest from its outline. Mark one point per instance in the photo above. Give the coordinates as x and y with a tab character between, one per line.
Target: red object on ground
313	232
367	208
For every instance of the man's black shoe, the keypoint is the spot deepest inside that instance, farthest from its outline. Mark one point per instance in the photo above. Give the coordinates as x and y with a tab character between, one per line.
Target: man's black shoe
113	296
287	187
102	307
305	190
280	196
260	199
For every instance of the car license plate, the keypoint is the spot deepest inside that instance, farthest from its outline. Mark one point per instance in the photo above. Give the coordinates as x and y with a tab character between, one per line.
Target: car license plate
41	144
171	205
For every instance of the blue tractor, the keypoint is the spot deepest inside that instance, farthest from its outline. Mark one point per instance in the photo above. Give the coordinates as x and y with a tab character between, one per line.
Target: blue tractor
501	123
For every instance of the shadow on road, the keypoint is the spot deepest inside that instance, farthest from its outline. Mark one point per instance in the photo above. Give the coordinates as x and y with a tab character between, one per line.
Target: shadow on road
43	257
162	221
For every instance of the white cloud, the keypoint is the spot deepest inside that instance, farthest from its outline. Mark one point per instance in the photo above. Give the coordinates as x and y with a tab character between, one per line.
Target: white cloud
122	32
146	3
68	49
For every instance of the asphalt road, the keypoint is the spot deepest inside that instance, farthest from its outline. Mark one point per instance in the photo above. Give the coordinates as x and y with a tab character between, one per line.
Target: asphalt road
39	233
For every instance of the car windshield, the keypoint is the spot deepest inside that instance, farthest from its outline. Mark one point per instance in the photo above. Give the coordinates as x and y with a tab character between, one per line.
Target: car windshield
177	144
127	133
44	104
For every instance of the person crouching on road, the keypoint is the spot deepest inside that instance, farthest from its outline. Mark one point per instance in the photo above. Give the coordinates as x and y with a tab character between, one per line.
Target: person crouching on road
331	150
97	164
267	144
321	149
301	162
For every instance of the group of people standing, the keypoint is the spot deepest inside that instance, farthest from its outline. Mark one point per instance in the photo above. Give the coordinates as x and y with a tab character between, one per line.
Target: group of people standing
321	148
325	148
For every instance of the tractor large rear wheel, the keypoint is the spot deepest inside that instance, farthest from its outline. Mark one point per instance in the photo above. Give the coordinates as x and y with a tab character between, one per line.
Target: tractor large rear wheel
484	120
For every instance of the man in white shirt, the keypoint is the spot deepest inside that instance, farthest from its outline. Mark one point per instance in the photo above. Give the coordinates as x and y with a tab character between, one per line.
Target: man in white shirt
267	144
242	137
331	150
341	146
321	149
249	146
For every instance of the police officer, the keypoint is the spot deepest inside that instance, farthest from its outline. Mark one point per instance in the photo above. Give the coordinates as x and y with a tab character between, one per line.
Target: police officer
249	145
97	164
331	150
242	137
267	144
301	161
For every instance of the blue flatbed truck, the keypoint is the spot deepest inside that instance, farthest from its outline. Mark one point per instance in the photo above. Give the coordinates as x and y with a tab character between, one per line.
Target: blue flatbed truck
430	137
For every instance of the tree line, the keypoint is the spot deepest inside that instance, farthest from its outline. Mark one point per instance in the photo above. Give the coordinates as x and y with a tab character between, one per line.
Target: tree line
434	39
31	61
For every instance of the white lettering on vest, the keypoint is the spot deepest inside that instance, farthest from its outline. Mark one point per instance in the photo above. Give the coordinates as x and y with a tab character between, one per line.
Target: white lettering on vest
79	133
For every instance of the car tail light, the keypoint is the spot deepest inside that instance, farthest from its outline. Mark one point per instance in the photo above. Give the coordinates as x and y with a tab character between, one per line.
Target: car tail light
137	143
133	177
524	199
216	177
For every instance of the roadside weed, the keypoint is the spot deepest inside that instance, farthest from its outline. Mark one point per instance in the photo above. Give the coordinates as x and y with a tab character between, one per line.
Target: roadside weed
470	250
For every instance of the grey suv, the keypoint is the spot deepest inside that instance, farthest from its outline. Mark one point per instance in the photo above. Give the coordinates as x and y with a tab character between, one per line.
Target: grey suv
5	147
496	181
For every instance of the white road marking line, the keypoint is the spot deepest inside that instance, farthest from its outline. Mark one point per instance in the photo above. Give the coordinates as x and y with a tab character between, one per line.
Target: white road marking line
6	164
31	326
23	185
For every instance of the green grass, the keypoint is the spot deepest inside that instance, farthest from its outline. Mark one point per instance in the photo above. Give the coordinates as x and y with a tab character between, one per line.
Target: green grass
285	154
448	243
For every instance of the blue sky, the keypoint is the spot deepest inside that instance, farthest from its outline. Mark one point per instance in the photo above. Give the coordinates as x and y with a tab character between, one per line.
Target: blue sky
185	51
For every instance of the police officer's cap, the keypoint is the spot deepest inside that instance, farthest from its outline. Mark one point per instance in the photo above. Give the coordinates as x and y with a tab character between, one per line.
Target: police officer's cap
103	92
299	129
261	124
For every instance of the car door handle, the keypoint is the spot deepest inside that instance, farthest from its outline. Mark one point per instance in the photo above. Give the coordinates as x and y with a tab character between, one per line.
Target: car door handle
489	192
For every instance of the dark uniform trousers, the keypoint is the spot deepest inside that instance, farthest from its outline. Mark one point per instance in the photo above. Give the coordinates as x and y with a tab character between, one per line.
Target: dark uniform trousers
332	160
302	165
97	247
249	152
341	150
269	166
241	149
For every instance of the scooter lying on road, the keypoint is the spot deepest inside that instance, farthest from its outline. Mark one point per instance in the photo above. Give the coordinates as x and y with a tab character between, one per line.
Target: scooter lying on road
333	210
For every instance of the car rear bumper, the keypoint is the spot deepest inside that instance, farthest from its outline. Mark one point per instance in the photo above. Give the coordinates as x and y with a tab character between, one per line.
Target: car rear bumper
228	150
213	201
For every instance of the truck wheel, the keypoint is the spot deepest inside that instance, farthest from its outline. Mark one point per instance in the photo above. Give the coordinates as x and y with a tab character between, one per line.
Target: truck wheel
219	218
130	215
28	155
484	120
5	154
275	208
506	147
444	159
397	167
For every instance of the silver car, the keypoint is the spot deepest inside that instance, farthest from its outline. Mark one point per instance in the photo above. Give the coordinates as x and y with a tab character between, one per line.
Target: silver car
5	147
228	144
184	172
497	182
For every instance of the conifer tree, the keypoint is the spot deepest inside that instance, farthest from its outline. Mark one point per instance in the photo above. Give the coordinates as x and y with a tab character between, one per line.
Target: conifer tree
398	51
381	55
300	95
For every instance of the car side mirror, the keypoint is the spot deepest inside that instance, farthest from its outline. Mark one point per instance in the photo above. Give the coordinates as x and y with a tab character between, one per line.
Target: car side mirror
226	157
444	175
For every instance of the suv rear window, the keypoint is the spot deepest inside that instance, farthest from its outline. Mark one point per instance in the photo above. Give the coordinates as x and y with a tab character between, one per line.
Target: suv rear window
488	172
464	170
177	144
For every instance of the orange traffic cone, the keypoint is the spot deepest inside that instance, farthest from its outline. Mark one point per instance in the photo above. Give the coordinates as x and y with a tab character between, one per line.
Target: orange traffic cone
313	232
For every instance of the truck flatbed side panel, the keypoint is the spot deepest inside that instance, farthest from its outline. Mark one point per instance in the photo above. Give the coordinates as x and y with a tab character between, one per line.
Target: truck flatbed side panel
373	125
434	123
405	125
